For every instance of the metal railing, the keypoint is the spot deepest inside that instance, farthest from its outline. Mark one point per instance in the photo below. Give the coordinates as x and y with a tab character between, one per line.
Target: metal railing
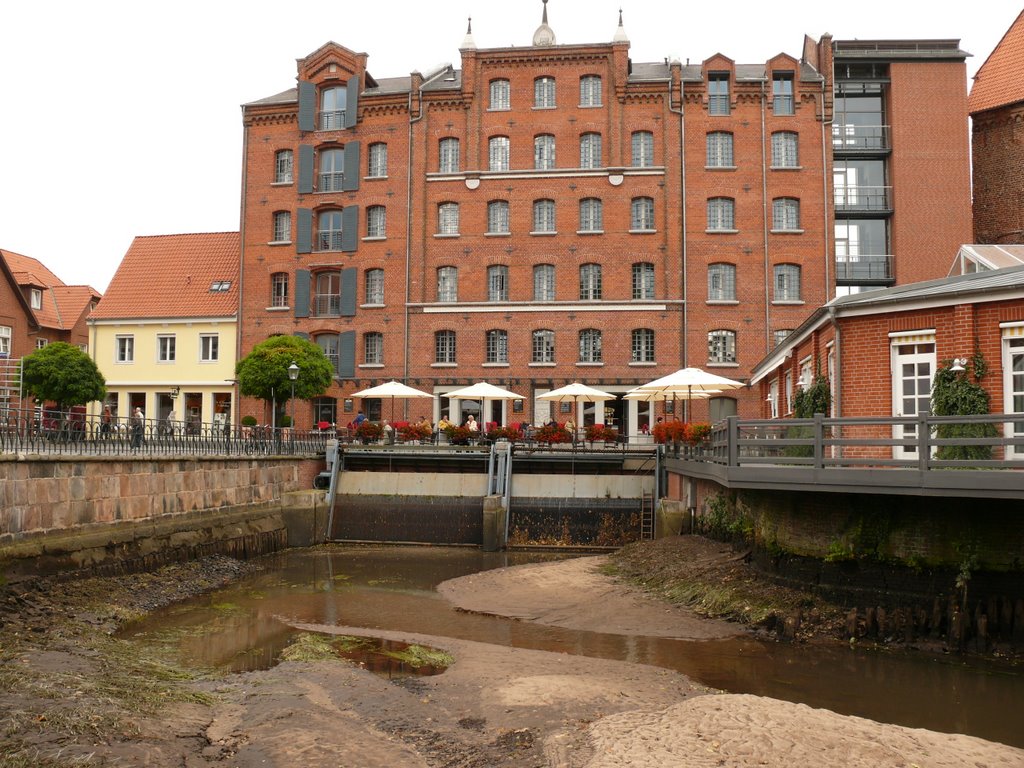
850	137
864	268
863	198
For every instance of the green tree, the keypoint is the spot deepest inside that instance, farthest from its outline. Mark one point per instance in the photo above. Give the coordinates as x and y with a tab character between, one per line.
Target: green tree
263	373
64	374
954	394
808	401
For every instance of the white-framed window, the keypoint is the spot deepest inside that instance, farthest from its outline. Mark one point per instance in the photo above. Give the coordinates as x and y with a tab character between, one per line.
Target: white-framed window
282	227
590	150
497	217
718	93
543	215
782	93
590	91
209	347
41	342
543	346
331	347
329	231
1013	388
544	282
786	213
643	149
779	335
124	348
501	95
787	282
643	280
284	165
444	347
642	345
327	298
789	391
773	399
590	282
448	155
719	150
333	102
785	152
641	217
544	92
497	346
448	219
497	282
447	284
377	160
374	280
591	215
5	341
376	221
590	346
35	296
721	214
807	375
721	346
544	152
332	170
166	347
373	348
279	289
721	282
497	153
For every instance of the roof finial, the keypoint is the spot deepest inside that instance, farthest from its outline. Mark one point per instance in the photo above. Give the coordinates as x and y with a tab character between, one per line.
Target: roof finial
467	41
544	19
620	33
544	34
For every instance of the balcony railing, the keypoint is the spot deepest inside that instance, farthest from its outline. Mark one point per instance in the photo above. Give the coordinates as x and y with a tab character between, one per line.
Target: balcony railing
328	240
332	121
860	138
864	269
331	182
863	198
327	305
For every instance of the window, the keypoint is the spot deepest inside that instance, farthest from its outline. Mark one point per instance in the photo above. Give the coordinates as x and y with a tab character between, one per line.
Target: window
544	282
784	150
497	153
544	152
332	170
165	348
718	93
329	231
41	342
36	298
643	280
643	346
374	286
590	345
376	221
328	342
447	284
282	227
786	213
500	94
590	91
448	219
641	217
721	282
721	214
283	167
497	346
544	93
448	155
719	150
373	348
590	150
124	349
543	215
643	149
497	282
332	109
590	282
209	347
779	336
327	300
543	347
789	391
5	341
787	282
444	347
782	93
497	217
325	409
377	164
279	289
220	286
591	215
722	346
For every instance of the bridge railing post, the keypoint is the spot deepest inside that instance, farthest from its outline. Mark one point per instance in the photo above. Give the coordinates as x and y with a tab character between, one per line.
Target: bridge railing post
819	440
732	443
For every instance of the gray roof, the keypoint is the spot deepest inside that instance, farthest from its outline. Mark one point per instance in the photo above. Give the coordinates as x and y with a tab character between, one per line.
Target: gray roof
1009	278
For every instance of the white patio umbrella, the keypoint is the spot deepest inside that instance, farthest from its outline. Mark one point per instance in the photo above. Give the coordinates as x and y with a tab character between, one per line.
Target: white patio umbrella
394	390
576	393
483	391
686	381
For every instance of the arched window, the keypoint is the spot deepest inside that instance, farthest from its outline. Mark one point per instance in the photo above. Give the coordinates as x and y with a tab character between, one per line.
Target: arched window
282	227
497	346
544	92
543	346
373	348
786	213
283	167
543	215
641	217
590	150
785	150
444	347
447	284
719	150
722	346
448	155
643	149
497	217
544	152
590	346
332	108
329	231
497	153
590	282
332	170
721	282
327	296
544	282
376	221
374	280
787	282
643	280
590	91
377	162
721	214
448	219
591	215
500	95
642	345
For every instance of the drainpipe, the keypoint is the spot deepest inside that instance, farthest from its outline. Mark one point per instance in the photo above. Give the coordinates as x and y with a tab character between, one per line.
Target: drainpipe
764	226
825	130
837	346
241	276
408	237
683	282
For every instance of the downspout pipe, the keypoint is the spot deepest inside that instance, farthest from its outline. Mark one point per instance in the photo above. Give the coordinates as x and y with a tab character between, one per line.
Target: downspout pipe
828	237
764	225
239	315
408	237
683	276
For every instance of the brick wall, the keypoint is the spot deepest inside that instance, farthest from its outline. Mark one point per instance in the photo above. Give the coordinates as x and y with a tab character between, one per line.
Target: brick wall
998	154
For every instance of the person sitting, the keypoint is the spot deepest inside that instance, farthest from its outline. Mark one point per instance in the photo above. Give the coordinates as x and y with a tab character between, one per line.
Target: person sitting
471	424
389	432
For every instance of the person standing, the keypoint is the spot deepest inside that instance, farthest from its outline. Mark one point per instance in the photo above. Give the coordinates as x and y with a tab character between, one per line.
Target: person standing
105	418
138	425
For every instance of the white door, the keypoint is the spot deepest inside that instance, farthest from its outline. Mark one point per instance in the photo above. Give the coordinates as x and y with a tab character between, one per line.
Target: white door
1013	365
913	370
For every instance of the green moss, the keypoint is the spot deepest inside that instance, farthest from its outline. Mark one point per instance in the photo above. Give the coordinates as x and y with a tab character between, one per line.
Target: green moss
417	656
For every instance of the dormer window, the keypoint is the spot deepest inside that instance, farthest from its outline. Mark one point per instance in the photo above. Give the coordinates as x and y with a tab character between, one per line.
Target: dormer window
332	108
220	286
36	298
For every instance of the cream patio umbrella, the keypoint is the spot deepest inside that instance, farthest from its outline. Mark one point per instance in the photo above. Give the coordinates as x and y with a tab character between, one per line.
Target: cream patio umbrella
686	381
482	391
394	390
577	393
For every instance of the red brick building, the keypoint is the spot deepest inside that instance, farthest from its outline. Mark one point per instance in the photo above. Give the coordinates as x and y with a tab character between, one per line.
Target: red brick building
551	213
996	105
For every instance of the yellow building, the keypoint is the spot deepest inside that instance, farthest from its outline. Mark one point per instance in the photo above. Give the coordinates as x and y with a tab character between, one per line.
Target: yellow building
165	334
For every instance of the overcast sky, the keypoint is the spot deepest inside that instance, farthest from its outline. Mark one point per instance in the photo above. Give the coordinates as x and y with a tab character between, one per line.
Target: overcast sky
120	119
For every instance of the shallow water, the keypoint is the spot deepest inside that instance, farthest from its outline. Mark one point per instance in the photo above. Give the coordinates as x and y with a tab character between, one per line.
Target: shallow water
392	588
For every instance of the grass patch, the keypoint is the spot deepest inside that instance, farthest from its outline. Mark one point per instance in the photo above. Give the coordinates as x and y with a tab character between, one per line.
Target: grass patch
309	647
417	656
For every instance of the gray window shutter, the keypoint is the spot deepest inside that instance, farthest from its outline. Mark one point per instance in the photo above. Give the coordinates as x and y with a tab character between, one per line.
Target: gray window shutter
302	293
307	106
347	355
304	230
351	102
301	335
349	297
350	228
350	182
305	169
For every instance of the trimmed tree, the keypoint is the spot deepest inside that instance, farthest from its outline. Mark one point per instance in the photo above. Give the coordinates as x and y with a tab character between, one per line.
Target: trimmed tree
64	374
263	373
808	401
954	394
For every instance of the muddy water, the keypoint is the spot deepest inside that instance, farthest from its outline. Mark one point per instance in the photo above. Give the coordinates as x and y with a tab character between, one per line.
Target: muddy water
393	588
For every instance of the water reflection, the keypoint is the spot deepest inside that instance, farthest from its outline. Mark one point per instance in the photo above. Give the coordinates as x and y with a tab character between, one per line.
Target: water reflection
392	588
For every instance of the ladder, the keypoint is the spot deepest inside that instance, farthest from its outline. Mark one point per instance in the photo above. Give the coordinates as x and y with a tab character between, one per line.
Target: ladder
10	383
647	516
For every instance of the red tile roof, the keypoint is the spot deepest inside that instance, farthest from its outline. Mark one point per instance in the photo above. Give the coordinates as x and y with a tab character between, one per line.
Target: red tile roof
32	271
1000	80
62	305
171	275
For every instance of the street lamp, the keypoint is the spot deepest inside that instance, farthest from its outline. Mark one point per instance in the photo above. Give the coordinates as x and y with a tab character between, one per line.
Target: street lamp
293	374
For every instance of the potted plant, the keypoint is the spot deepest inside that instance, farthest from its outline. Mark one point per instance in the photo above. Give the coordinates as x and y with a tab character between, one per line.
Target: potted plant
368	431
413	432
503	433
552	433
697	433
598	433
458	435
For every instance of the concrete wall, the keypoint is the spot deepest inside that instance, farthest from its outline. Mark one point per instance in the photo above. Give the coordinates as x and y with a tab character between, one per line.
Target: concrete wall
532	485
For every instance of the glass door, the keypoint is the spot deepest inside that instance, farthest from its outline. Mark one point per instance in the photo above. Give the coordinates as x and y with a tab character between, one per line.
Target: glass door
913	371
1014	388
